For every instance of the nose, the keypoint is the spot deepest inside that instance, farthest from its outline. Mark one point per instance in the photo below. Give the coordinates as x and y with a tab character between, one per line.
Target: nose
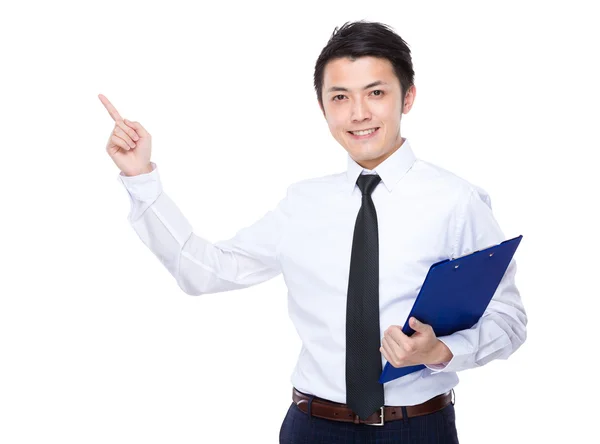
360	112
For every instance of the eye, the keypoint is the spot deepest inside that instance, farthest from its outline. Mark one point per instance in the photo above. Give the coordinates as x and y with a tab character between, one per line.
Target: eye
376	90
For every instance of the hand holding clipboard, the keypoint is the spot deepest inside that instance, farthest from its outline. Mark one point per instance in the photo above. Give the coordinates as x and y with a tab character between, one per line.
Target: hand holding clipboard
455	294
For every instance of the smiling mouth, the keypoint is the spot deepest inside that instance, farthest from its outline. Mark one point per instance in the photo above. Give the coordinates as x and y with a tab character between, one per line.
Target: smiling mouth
369	129
364	136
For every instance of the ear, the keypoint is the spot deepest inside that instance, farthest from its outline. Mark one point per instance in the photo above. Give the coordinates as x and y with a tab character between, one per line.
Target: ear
409	98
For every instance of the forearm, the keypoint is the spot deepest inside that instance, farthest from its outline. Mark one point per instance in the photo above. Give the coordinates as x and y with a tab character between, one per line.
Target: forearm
495	336
198	265
498	334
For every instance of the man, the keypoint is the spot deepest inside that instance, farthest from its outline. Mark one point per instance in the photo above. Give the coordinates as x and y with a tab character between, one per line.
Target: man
354	248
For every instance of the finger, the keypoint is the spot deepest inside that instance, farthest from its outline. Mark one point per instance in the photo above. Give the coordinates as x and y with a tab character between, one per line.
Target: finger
138	127
400	344
385	346
396	334
384	353
120	133
111	109
128	130
119	142
389	353
419	326
393	347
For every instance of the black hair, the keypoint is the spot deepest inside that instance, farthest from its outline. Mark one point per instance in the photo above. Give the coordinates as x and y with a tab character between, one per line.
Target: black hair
360	39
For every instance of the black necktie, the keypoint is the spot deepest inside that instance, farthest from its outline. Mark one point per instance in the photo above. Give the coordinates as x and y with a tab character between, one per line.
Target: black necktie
364	392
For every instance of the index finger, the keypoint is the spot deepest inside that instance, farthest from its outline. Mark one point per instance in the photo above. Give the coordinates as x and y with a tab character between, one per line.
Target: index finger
111	109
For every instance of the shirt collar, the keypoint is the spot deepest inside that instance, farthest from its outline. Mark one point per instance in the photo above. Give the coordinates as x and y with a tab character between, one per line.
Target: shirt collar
391	170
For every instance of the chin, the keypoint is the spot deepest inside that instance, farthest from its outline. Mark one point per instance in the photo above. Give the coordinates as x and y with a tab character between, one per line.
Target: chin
366	155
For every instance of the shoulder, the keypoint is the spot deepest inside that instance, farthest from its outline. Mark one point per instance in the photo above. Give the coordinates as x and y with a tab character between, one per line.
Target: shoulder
318	184
435	179
304	194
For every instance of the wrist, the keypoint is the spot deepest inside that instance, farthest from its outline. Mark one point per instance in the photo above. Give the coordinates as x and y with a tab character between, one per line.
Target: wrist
146	170
441	353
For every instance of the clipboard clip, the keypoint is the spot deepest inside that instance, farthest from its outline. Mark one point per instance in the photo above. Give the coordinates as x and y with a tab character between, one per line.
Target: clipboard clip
458	265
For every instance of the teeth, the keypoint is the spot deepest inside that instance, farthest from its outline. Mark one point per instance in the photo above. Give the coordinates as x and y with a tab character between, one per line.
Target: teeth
363	133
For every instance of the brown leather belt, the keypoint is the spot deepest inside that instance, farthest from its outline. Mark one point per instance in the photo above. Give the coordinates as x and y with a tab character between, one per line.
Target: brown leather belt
326	409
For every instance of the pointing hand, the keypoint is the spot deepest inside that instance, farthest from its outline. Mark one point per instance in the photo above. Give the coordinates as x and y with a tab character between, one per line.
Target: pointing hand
129	145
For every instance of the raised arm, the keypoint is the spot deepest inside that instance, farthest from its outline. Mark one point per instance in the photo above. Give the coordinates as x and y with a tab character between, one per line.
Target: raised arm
198	265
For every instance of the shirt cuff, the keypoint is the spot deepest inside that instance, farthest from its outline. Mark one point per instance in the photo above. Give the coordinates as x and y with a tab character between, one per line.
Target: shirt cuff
144	187
461	350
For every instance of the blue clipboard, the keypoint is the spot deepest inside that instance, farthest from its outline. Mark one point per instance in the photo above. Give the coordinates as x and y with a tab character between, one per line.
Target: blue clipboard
455	294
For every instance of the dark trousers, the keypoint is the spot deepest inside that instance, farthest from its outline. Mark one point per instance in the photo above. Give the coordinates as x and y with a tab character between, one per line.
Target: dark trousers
435	428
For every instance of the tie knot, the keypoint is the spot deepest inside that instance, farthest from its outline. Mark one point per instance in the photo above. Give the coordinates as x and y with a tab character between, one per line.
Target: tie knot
367	183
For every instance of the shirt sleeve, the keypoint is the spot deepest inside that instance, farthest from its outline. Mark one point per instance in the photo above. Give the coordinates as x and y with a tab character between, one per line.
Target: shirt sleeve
502	328
198	265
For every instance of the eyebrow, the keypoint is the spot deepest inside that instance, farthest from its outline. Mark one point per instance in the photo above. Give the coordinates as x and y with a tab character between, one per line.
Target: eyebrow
370	85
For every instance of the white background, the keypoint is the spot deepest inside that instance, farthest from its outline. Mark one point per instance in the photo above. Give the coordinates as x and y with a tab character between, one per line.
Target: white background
97	342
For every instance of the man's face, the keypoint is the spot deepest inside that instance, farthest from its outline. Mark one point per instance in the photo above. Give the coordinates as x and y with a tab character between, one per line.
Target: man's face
356	108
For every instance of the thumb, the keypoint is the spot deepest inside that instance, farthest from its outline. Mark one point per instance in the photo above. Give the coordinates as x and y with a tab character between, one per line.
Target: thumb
417	325
138	127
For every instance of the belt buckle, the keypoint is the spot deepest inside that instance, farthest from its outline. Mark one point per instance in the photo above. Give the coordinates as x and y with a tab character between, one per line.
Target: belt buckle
381	415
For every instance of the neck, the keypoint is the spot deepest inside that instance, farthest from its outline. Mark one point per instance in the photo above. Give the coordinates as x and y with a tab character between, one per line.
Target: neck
371	164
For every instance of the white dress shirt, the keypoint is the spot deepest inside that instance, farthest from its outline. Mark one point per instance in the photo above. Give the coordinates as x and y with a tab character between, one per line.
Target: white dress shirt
425	214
